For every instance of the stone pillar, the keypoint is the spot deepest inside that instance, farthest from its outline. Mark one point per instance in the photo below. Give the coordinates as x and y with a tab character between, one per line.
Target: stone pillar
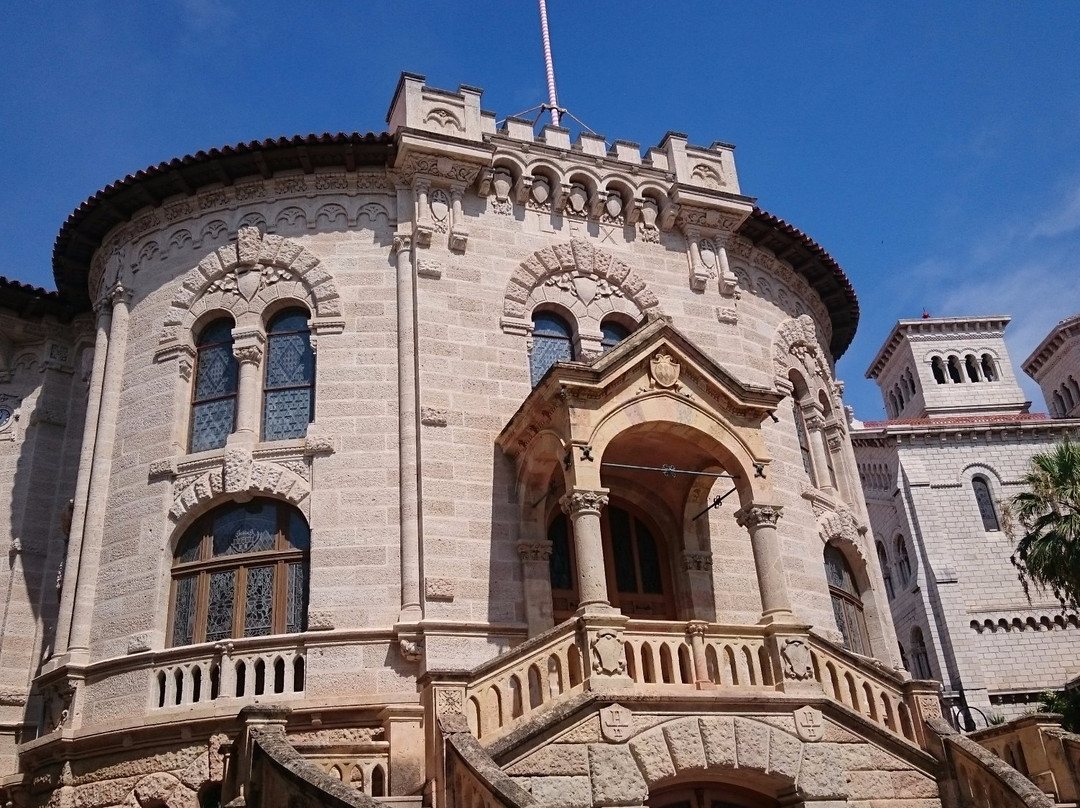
100	474
696	629
815	428
536	575
760	519
403	728
82	480
583	507
248	346
408	433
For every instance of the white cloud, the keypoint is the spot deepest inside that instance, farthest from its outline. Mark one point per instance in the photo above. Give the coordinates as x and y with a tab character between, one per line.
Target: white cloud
1064	220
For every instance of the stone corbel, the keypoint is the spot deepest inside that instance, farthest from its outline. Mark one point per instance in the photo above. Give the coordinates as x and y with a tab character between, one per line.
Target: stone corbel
459	233
560	197
596	204
522	188
729	284
484	180
699	273
424	226
668	213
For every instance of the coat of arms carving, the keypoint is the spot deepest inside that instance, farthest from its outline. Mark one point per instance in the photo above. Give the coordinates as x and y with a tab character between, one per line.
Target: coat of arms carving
664	370
808	724
615	723
608	652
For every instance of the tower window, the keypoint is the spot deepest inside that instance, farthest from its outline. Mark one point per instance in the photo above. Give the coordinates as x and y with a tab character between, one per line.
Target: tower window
886	573
903	561
954	370
972	365
552	342
919	659
986	503
937	367
989	373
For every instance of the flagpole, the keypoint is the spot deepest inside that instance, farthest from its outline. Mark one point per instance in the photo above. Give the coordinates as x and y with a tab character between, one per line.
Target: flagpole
553	100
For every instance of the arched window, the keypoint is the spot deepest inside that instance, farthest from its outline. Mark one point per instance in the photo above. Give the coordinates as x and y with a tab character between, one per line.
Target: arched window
241	571
213	397
846	602
804	439
894	406
1058	405
937	366
920	663
972	365
989	373
552	342
886	573
954	369
636	566
985	501
289	396
903	562
903	657
1070	402
613	332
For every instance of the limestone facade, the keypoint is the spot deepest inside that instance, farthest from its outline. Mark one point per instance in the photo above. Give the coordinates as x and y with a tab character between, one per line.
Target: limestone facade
937	477
316	504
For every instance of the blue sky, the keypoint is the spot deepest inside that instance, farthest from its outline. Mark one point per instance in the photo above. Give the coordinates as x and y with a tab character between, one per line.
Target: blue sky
932	148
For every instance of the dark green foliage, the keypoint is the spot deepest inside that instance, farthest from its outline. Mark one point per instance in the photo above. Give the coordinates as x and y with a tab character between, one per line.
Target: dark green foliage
1067	703
1048	512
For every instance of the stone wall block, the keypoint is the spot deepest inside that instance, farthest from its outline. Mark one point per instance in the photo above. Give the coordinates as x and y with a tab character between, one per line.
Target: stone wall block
317	275
197	772
718	738
227	256
820	776
785	754
155	789
303	263
269	248
684	743
559	758
183	797
588	731
564	255
752	743
103	793
910	783
248	245
195	280
618	271
633	284
616	779
209	267
563	792
652	756
535	267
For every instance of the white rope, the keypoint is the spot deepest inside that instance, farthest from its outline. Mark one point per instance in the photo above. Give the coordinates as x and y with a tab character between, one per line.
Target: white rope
548	65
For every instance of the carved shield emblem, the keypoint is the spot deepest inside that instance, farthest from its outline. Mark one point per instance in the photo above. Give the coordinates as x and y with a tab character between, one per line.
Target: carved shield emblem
607	651
613	205
540	190
665	370
808	724
585	288
248	282
615	723
797	662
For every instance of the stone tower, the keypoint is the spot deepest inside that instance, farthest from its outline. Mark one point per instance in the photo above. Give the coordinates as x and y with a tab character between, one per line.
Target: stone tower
1055	365
947	366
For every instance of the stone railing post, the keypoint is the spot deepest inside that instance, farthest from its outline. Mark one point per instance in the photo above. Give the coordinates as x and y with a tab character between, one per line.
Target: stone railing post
583	508
696	631
789	654
536	576
923	700
603	651
443	695
760	520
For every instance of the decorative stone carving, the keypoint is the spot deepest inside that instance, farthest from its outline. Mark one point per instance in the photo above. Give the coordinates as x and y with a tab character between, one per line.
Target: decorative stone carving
697	559
727	316
412	648
439	588
239	474
664	371
808	724
10	697
607	652
797	338
798	664
616	723
430	416
584	287
315	445
583	501
439	202
448	701
427	267
534	551
753	516
929	706
250	353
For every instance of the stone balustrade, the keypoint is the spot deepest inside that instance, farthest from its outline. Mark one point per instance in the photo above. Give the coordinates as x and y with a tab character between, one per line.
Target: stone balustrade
229	676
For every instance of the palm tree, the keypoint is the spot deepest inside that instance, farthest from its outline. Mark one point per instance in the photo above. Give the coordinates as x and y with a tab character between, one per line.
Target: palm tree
1048	553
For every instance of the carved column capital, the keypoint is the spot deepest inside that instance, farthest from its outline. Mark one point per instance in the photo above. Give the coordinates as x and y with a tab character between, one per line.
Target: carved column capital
402	243
697	628
583	501
248	346
754	516
814	422
534	550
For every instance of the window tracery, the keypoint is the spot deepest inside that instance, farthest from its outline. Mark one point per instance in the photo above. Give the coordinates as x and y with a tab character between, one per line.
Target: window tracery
241	571
214	392
846	601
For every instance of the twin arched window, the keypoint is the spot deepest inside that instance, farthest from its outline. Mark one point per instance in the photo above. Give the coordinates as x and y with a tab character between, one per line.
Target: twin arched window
846	601
920	662
288	403
241	571
553	341
886	573
903	561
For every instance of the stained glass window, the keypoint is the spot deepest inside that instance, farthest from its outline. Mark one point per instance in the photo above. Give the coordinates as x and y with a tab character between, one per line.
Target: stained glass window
241	571
613	333
846	602
213	399
289	397
985	502
552	342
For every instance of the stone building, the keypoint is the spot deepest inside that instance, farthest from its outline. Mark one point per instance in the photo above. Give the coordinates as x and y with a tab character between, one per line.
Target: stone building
1055	365
936	476
453	466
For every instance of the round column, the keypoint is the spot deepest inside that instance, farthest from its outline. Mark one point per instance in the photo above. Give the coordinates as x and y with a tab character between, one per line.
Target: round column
248	350
583	508
761	520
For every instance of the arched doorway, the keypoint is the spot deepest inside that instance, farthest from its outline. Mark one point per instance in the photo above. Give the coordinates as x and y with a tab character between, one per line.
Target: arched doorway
709	795
636	564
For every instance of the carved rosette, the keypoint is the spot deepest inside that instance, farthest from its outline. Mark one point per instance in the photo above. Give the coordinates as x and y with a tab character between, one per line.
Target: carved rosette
755	516
583	501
